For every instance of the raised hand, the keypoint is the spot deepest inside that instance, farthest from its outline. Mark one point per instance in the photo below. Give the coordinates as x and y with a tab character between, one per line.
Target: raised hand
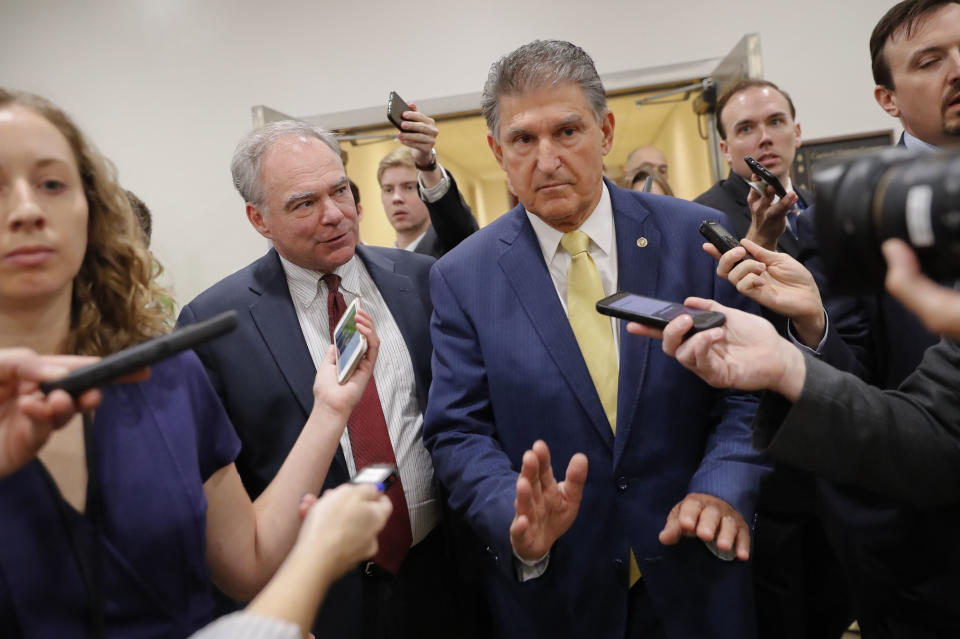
420	134
545	508
768	220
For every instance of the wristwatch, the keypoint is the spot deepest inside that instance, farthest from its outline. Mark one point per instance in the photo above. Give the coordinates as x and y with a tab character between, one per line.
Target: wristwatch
428	167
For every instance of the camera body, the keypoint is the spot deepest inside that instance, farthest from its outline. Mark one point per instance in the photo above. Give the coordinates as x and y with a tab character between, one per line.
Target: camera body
865	199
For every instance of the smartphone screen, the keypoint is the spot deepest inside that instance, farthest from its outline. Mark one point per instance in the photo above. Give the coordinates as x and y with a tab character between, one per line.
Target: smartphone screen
351	345
656	313
651	307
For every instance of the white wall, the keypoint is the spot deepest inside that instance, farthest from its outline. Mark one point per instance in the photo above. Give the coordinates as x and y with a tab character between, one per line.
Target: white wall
164	87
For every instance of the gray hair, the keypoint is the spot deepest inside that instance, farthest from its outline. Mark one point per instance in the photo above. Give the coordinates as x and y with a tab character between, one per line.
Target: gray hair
539	64
245	165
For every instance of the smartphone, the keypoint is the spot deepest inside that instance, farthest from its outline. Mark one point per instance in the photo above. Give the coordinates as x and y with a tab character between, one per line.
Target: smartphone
383	476
132	359
395	108
720	237
351	345
764	174
648	184
656	313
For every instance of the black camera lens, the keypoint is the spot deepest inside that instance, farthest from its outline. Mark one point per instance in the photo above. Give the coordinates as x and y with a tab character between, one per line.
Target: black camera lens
865	199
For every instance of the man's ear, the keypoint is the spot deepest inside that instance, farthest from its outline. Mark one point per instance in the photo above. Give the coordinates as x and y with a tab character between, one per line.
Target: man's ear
887	99
496	148
256	218
607	123
799	138
726	153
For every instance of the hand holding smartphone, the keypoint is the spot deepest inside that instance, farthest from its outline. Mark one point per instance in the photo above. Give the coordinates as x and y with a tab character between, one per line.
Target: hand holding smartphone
656	313
132	359
395	108
351	344
722	239
764	174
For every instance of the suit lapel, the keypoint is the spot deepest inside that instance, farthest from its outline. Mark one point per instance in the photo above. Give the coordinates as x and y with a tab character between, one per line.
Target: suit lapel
276	320
637	272
523	266
401	298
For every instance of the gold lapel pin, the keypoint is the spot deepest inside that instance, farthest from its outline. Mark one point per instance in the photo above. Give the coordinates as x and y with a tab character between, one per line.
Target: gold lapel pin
641	242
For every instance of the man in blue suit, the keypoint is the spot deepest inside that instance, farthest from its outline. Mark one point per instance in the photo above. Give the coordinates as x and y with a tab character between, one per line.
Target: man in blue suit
297	195
525	369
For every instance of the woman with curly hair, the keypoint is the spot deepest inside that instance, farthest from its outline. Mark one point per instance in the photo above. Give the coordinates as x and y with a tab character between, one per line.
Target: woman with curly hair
119	526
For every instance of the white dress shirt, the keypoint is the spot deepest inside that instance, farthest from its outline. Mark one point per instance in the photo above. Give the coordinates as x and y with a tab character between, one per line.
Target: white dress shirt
396	383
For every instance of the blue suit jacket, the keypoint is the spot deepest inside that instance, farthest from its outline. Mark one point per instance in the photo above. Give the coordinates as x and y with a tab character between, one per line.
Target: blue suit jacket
263	371
507	371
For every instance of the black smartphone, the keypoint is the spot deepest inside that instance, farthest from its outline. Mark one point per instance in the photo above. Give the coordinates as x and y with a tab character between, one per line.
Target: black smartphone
383	476
132	359
764	174
395	108
656	313
720	237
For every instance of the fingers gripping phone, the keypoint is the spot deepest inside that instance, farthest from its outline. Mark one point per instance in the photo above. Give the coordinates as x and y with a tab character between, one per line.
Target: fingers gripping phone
764	174
132	359
351	345
722	239
656	313
395	108
383	476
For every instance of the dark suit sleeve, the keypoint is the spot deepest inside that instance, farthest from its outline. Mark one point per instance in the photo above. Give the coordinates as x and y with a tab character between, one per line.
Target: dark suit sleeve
459	428
904	444
451	217
849	345
186	318
732	469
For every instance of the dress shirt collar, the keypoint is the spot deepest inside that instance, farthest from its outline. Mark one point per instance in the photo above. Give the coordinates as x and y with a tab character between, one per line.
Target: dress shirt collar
598	226
304	283
916	144
412	246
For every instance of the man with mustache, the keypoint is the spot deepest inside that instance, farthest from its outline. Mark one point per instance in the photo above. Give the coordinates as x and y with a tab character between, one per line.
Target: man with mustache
901	560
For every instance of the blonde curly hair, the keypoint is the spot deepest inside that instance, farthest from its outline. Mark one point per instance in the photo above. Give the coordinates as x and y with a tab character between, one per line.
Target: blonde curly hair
116	301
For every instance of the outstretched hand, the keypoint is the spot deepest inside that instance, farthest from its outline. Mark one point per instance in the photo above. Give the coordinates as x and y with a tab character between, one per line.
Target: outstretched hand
745	353
768	220
938	307
778	282
343	524
340	398
711	519
27	416
545	508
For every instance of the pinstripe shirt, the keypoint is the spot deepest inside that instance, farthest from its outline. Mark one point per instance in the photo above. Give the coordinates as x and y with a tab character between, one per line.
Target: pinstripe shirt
396	383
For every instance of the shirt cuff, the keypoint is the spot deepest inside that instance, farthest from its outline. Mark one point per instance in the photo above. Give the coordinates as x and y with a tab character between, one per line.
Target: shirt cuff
528	569
434	193
803	347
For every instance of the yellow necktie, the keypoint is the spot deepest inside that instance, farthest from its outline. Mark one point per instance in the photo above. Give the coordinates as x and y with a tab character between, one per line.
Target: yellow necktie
593	332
